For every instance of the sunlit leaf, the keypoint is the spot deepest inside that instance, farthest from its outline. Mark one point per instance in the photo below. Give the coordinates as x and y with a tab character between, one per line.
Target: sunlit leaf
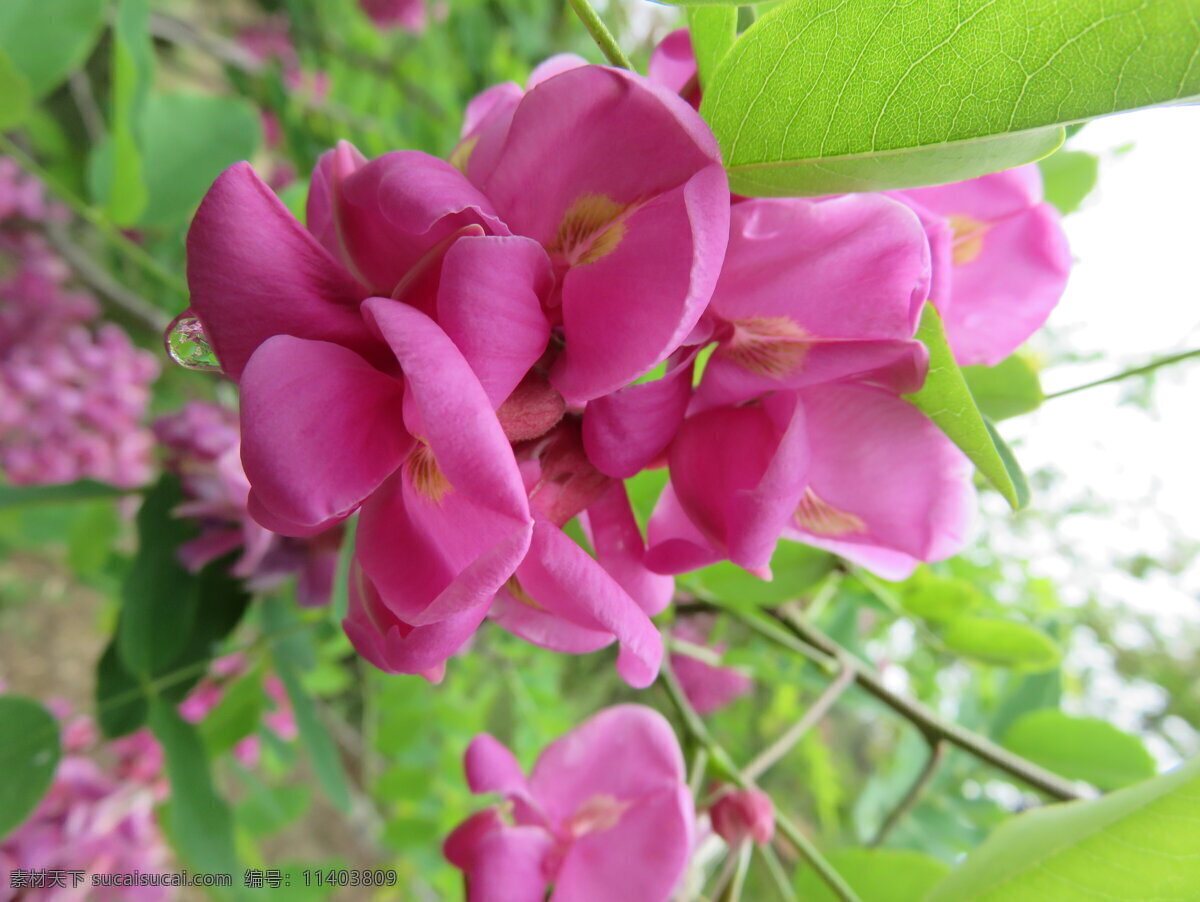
1069	176
1008	389
1080	748
713	30
1004	643
876	875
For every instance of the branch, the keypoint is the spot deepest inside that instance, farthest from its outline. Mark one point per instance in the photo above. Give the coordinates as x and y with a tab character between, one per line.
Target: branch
934	727
1128	374
600	34
695	727
937	752
781	746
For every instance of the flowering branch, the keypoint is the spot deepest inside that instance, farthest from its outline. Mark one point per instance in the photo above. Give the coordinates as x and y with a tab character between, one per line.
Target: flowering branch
937	752
1129	374
695	727
600	34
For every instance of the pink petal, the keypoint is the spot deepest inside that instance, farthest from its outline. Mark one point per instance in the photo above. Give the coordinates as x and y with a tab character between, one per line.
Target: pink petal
883	475
489	304
524	618
672	63
565	581
491	767
627	752
676	545
624	432
321	429
641	859
621	551
254	272
509	865
491	104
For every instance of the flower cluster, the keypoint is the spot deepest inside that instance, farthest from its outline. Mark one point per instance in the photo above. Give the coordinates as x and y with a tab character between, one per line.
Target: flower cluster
475	355
202	448
72	397
95	819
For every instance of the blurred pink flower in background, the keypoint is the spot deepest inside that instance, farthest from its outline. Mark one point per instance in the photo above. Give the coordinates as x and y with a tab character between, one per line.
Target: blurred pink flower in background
605	814
95	818
743	814
73	392
409	15
203	448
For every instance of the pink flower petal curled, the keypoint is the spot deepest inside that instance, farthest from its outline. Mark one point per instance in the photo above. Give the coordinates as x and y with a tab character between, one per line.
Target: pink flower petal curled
321	429
491	767
255	272
620	549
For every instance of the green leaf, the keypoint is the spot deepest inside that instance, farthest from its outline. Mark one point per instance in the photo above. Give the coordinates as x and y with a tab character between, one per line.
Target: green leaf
939	599
121	705
829	96
1069	176
199	821
14	94
713	29
45	43
946	400
876	875
28	757
1015	474
124	192
236	715
83	490
159	598
187	141
293	654
1138	843
1008	389
795	569
1080	748
1004	643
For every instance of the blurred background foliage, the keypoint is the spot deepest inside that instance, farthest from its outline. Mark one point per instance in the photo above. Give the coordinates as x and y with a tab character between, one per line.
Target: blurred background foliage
127	111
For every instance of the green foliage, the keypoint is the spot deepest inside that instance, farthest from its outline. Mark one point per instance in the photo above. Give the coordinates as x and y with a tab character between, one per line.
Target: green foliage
1008	389
821	98
14	94
236	715
126	196
1004	643
28	757
1069	176
877	875
83	490
939	599
946	399
713	30
1080	748
45	44
795	569
1137	843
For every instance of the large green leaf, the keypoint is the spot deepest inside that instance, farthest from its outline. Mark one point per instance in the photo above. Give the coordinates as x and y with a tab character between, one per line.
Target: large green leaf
159	598
126	196
1135	845
712	30
29	754
1004	643
1080	748
199	821
14	94
828	96
121	702
876	875
46	41
946	399
1008	389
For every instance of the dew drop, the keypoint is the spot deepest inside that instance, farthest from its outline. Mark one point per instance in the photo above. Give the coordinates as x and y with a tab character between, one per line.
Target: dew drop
188	346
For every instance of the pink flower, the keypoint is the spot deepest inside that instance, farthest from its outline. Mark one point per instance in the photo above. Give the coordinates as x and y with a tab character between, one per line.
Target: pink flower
632	207
742	814
673	65
1000	259
708	687
407	14
605	814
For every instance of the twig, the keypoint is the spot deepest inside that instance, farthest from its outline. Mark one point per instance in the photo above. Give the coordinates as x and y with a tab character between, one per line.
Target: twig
1128	374
99	280
600	34
85	101
937	752
781	746
695	727
934	727
778	874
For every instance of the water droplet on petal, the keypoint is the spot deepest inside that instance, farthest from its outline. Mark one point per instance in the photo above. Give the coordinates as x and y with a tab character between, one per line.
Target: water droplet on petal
188	346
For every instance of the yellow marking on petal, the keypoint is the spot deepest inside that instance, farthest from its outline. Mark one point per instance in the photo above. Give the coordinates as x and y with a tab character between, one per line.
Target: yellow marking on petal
461	155
818	516
968	238
590	230
773	346
517	591
427	477
600	812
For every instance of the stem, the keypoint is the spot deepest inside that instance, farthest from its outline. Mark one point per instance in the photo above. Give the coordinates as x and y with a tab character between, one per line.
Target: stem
95	219
781	746
739	874
600	34
934	727
695	727
937	752
1128	374
778	874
